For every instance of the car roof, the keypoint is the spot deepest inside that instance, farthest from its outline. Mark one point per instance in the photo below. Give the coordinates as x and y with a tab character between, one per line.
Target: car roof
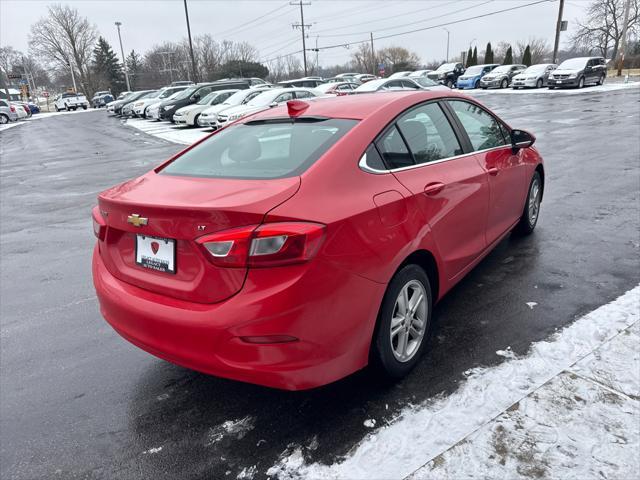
356	107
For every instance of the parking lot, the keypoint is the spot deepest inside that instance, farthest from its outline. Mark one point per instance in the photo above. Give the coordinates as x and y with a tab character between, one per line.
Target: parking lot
77	401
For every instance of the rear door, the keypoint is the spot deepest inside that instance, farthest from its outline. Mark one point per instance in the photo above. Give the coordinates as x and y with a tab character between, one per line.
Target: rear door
425	155
505	170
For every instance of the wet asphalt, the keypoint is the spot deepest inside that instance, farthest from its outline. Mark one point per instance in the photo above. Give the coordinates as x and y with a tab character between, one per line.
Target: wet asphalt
77	401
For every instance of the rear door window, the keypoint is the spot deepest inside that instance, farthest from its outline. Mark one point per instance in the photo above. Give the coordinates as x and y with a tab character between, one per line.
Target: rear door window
429	134
261	149
482	128
393	149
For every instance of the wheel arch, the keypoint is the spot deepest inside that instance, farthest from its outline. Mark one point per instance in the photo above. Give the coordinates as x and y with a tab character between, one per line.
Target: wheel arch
540	170
427	261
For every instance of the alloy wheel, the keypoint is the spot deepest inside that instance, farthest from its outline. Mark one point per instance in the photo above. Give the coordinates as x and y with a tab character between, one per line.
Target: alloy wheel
534	201
408	321
504	83
539	83
4	119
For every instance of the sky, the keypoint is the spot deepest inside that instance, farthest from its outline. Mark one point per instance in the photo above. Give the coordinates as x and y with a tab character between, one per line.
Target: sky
267	24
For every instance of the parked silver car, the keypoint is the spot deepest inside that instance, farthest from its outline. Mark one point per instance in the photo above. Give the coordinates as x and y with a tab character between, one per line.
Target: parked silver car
500	77
7	112
535	76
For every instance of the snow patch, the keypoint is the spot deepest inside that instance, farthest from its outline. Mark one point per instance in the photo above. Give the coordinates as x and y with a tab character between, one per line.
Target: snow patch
247	473
422	434
236	428
370	423
152	450
531	304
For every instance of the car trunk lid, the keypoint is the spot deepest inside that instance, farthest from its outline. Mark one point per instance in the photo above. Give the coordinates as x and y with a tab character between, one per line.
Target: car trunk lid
182	209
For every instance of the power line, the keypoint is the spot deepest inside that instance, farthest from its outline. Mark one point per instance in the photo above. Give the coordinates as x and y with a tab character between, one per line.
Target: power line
234	29
453	22
414	23
386	18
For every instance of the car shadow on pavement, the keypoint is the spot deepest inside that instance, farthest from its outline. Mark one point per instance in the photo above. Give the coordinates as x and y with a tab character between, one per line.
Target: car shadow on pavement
220	427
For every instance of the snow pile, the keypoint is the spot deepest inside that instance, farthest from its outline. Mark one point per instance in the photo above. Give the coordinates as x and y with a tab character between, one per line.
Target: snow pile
168	131
424	434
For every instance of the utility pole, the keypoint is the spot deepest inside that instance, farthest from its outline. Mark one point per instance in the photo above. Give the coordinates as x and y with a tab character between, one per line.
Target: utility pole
73	78
447	44
124	60
558	27
193	59
373	55
623	40
302	26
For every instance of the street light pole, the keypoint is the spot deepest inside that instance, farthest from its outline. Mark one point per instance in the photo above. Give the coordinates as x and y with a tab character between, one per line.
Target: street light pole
124	60
447	44
193	59
556	43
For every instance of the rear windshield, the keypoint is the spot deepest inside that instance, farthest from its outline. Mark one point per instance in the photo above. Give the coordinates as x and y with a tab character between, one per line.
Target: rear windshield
261	149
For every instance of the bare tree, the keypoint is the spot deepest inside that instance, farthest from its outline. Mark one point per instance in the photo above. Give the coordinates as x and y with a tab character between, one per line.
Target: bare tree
398	58
602	30
538	47
65	39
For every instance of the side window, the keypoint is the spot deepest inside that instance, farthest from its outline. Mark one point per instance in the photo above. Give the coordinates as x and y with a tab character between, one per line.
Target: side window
373	158
393	149
429	134
303	94
250	97
395	84
409	85
483	130
285	97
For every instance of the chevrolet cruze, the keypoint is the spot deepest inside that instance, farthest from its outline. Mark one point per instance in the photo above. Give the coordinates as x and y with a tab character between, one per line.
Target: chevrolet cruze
300	244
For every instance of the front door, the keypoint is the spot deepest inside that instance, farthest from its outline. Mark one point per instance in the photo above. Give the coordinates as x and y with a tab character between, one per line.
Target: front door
505	170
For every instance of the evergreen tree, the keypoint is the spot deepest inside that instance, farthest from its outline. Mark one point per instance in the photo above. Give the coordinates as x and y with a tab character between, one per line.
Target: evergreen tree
134	65
508	57
475	55
488	54
469	57
107	67
526	56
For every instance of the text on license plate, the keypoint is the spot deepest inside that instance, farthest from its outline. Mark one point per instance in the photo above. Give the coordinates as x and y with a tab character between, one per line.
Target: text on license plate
156	253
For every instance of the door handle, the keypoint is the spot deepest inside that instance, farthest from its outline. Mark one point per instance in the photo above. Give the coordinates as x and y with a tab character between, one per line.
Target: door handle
433	188
493	171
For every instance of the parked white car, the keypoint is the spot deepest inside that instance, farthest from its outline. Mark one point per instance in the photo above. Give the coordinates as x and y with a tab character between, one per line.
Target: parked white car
153	110
267	99
70	101
141	105
535	76
20	110
400	74
189	115
209	116
399	84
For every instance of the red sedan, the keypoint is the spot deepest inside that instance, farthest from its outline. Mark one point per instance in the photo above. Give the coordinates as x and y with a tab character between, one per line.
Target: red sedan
300	244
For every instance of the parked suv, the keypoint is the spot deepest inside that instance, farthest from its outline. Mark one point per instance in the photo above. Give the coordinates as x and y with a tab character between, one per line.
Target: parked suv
447	74
500	77
577	72
195	93
472	75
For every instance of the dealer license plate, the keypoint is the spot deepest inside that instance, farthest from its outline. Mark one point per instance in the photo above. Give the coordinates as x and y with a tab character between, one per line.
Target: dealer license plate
156	253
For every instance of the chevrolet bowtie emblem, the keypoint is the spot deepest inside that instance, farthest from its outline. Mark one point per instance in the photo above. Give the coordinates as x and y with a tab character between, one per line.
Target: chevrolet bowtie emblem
136	220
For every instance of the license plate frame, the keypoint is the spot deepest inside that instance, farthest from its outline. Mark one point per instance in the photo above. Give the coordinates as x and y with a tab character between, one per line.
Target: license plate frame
163	260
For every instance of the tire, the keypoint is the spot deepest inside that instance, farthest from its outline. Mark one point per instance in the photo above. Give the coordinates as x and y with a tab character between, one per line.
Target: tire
515	88
195	121
539	83
484	88
531	212
601	80
4	119
504	83
84	107
386	349
56	107
477	84
66	107
581	82
550	87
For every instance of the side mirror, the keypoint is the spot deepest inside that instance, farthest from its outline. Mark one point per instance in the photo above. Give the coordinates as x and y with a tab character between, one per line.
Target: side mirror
273	104
521	139
196	96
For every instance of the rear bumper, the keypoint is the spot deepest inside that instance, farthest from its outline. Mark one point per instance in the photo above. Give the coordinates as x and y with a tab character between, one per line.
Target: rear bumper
331	312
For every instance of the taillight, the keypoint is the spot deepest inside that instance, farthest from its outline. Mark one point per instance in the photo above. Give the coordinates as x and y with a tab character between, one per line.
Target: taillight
99	225
12	108
267	245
